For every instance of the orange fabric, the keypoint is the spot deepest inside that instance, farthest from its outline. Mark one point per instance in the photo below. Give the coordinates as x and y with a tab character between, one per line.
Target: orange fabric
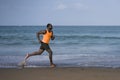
47	37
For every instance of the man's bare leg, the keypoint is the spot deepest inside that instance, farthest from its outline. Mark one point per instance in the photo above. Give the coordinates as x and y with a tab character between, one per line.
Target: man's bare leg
50	58
33	54
23	63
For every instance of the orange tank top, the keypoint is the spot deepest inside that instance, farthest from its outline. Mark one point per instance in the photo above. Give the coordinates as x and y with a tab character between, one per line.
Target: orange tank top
47	37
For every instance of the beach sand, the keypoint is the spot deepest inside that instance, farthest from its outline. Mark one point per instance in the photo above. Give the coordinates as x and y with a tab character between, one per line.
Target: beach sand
60	74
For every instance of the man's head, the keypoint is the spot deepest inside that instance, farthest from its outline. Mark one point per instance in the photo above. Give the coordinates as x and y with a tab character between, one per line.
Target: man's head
49	26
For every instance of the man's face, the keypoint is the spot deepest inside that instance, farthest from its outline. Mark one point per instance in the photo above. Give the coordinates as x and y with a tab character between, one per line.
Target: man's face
50	28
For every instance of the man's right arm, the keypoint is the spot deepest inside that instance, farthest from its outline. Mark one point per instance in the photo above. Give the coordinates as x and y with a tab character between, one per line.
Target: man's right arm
38	34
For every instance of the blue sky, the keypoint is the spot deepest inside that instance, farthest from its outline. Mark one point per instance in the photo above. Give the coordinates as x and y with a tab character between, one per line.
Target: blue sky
60	12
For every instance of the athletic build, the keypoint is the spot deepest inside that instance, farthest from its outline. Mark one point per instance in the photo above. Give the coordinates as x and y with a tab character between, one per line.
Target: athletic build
47	35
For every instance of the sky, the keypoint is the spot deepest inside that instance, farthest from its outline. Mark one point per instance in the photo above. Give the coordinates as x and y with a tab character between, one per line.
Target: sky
60	12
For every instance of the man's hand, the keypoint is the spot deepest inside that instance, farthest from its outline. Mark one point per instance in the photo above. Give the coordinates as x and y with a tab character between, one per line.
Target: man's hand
38	34
53	37
40	41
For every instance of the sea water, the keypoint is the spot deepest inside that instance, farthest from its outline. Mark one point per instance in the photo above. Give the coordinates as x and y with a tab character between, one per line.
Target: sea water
74	46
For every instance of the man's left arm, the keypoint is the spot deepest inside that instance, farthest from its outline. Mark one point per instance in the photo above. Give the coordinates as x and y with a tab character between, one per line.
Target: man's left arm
52	37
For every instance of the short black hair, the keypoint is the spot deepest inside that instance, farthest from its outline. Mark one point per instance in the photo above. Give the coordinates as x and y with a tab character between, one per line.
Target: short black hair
49	25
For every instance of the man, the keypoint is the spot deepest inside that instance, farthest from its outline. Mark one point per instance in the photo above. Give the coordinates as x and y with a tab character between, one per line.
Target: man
47	35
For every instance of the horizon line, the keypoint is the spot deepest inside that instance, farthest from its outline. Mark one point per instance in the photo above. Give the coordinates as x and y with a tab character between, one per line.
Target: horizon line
60	25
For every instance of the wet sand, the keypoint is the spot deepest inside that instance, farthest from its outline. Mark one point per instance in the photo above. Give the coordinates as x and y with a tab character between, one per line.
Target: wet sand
60	74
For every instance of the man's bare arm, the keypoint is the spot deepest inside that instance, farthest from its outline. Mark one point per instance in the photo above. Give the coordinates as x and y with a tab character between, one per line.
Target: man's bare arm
39	33
52	37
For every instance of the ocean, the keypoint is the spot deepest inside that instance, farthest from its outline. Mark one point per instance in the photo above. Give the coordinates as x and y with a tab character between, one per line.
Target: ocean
74	46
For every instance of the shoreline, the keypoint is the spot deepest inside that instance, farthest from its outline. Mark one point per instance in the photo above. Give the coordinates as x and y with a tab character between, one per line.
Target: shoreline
46	65
60	73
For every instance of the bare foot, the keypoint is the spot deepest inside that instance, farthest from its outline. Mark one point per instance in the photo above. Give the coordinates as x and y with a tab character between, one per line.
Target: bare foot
22	64
52	65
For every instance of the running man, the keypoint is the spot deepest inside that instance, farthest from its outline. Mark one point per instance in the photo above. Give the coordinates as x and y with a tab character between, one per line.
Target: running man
47	35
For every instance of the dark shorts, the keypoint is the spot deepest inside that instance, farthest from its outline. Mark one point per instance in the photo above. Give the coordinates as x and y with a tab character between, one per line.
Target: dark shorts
44	46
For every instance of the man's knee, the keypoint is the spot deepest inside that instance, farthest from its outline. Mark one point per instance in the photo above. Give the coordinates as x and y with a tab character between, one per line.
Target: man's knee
49	51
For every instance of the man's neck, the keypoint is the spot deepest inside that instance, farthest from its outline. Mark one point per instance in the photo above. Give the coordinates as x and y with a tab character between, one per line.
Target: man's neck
49	30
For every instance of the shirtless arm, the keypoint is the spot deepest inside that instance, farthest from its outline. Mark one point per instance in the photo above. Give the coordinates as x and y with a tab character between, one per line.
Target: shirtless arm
52	37
39	33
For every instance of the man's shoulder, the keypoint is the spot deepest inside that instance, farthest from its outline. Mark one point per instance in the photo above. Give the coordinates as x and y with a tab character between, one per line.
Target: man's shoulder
45	31
42	31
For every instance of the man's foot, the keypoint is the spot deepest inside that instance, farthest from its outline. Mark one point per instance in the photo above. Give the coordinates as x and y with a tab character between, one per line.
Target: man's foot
52	65
22	64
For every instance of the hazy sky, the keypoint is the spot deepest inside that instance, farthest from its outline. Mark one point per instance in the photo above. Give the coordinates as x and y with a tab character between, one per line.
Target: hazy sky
60	12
